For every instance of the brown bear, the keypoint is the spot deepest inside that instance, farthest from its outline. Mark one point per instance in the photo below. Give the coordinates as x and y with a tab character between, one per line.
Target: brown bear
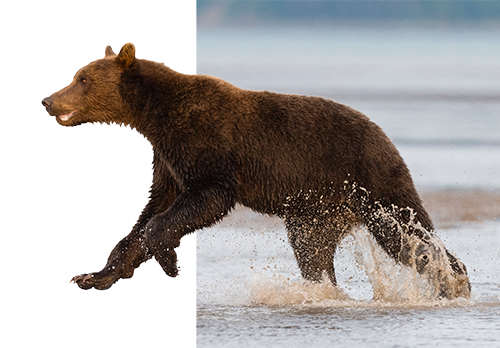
320	165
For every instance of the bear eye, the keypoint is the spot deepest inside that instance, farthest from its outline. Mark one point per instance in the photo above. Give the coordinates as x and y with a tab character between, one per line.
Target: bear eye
83	80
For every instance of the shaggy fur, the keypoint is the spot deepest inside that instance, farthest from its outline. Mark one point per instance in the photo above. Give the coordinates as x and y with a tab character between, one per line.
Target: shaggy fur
318	164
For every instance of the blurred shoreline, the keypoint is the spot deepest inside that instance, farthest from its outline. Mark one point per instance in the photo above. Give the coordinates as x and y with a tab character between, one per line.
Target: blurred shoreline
450	207
440	14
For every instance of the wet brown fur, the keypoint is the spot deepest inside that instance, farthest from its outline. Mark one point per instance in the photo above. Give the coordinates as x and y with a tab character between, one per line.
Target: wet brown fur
320	165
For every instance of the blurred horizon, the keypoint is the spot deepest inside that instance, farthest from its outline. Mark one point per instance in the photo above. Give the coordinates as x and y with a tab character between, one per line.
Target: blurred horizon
438	14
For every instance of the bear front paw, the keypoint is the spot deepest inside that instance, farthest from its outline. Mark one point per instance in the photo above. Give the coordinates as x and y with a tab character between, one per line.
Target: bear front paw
93	280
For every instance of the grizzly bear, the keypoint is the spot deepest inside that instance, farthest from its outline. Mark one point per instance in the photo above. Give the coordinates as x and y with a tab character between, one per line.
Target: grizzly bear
320	165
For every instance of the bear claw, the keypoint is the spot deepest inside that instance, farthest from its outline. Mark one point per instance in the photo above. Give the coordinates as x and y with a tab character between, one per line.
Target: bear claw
83	278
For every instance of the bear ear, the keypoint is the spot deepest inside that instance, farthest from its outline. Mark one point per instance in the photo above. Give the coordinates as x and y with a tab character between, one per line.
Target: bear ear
126	56
109	52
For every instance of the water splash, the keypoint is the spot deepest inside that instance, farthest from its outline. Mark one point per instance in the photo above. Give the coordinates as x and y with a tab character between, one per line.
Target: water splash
392	283
398	283
255	267
424	253
281	291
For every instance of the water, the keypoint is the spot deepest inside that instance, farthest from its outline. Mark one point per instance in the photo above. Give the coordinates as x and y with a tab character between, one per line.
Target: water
437	95
250	292
348	327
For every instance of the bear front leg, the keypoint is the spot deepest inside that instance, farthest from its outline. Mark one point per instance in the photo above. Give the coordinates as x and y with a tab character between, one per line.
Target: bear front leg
131	251
127	255
201	205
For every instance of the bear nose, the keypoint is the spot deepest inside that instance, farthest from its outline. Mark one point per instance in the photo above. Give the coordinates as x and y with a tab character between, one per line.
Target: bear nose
47	102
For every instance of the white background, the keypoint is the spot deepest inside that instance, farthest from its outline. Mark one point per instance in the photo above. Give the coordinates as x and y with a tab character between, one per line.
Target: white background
68	195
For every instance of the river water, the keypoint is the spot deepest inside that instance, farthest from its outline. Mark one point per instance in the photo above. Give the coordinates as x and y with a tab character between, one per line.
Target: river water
436	93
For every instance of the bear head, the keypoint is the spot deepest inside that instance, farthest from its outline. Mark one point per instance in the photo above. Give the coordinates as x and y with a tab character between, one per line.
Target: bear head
94	95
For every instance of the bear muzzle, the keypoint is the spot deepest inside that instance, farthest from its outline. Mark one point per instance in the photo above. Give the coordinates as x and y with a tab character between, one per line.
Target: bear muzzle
49	103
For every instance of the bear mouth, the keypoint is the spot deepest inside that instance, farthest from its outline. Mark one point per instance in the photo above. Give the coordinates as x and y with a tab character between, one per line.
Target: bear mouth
66	117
